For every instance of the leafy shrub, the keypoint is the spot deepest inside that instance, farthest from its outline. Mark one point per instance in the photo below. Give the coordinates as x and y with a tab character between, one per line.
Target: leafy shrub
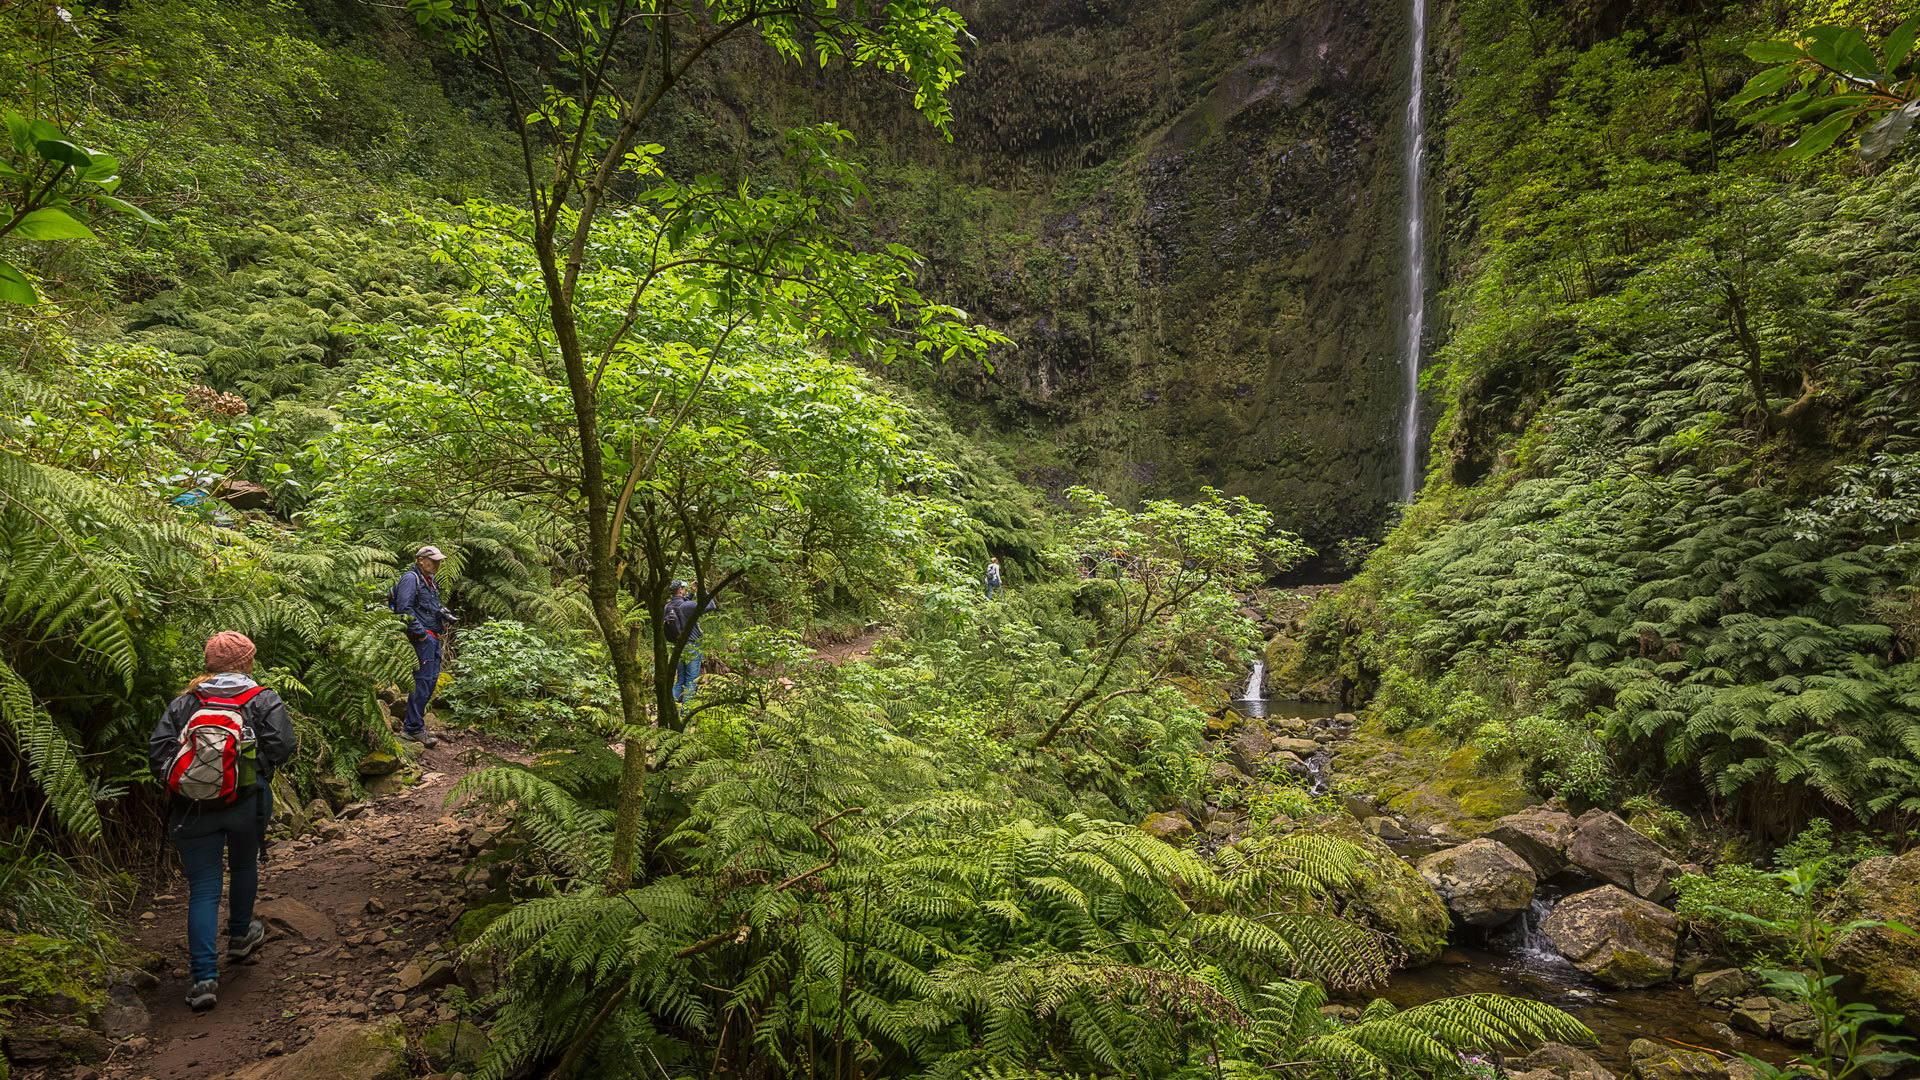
512	679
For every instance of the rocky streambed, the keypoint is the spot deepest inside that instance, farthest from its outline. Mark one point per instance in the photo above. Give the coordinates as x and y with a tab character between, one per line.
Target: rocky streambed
1490	894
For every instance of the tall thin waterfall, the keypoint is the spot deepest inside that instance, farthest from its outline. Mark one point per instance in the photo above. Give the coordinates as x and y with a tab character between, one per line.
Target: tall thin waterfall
1255	690
1416	254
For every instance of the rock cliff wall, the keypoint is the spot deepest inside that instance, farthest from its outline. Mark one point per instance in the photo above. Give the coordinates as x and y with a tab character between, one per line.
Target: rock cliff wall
1189	215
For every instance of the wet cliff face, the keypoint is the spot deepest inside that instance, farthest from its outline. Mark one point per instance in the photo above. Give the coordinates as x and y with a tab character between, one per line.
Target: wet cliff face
1189	215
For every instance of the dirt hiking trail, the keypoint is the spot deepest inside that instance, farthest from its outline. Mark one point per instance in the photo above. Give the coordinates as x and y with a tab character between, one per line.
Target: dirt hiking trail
353	914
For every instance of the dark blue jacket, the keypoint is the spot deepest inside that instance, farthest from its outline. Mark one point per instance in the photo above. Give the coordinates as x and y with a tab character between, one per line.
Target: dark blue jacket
417	600
680	613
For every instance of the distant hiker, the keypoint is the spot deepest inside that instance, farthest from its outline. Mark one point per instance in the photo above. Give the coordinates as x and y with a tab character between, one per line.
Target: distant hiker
416	599
683	620
993	577
215	749
1119	563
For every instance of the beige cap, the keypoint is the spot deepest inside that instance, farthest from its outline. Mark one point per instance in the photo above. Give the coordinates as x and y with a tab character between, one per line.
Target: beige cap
428	551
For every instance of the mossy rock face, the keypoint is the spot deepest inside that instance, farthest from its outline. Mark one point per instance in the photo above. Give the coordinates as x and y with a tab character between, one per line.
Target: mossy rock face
1426	778
1618	938
1878	965
458	1046
1393	898
472	923
1171	827
379	763
52	977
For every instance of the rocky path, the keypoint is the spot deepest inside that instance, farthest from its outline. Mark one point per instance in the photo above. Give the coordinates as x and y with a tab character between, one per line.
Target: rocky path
359	913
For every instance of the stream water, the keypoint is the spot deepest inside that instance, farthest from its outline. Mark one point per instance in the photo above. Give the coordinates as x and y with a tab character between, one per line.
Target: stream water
1519	961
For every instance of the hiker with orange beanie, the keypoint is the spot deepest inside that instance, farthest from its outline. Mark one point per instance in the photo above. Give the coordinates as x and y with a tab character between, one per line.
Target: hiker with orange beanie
215	749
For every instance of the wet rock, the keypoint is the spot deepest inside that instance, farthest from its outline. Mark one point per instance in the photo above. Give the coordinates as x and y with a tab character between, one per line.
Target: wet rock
344	1051
379	763
1800	1032
1248	749
1302	747
1788	1013
457	1046
1619	939
1609	849
1565	1063
1879	965
1482	881
1392	897
1385	828
1754	1015
36	1045
1345	719
1723	985
1649	1060
1537	835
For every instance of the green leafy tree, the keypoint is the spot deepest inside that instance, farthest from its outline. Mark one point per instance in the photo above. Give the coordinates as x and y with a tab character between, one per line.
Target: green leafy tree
779	258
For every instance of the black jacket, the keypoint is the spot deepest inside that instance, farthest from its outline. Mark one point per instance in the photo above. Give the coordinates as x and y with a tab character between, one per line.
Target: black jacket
682	615
274	740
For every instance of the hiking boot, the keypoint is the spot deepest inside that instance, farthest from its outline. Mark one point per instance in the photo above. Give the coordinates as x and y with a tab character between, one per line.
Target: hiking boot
204	994
239	948
424	738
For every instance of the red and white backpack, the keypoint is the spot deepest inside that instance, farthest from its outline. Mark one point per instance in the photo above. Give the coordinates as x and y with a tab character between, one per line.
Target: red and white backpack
215	760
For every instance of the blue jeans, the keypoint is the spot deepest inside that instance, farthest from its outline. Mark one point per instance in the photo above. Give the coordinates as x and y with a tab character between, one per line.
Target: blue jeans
205	833
993	587
425	678
688	675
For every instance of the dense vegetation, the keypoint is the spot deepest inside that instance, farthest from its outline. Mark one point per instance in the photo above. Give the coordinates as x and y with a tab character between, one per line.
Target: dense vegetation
1666	544
291	289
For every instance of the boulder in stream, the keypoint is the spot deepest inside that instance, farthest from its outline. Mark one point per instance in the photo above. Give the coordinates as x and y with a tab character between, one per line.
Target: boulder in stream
1616	937
1879	965
1609	849
1537	835
1482	881
1649	1060
1565	1063
1249	747
1392	897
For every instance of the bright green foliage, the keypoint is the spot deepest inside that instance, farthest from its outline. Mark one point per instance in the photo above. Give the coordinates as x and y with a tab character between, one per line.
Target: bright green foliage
830	895
1669	535
511	679
45	181
1834	80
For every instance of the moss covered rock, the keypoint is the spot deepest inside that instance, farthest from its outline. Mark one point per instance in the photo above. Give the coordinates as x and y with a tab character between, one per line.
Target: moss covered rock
457	1046
1616	937
1429	779
1394	898
1168	826
1482	881
1878	965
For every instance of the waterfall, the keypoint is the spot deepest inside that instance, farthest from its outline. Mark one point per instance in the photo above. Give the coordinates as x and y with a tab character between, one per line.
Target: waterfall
1416	255
1533	942
1255	690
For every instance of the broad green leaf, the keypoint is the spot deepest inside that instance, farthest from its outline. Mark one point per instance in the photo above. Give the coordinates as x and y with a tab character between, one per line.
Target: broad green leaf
47	223
1819	137
104	167
1773	52
1900	43
40	131
1767	82
17	129
14	286
62	152
1855	57
125	207
1879	140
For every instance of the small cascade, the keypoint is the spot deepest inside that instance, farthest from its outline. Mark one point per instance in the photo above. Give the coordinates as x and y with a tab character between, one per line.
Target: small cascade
1256	686
1416	255
1320	768
1530	941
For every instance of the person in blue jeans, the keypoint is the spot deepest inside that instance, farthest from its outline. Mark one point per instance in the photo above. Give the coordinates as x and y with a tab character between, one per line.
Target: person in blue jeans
416	599
682	619
993	577
210	831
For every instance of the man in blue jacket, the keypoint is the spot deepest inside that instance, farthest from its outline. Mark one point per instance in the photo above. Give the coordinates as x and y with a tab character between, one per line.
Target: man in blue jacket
416	599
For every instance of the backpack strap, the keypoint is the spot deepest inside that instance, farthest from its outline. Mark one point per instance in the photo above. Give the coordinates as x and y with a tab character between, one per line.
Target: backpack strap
241	699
